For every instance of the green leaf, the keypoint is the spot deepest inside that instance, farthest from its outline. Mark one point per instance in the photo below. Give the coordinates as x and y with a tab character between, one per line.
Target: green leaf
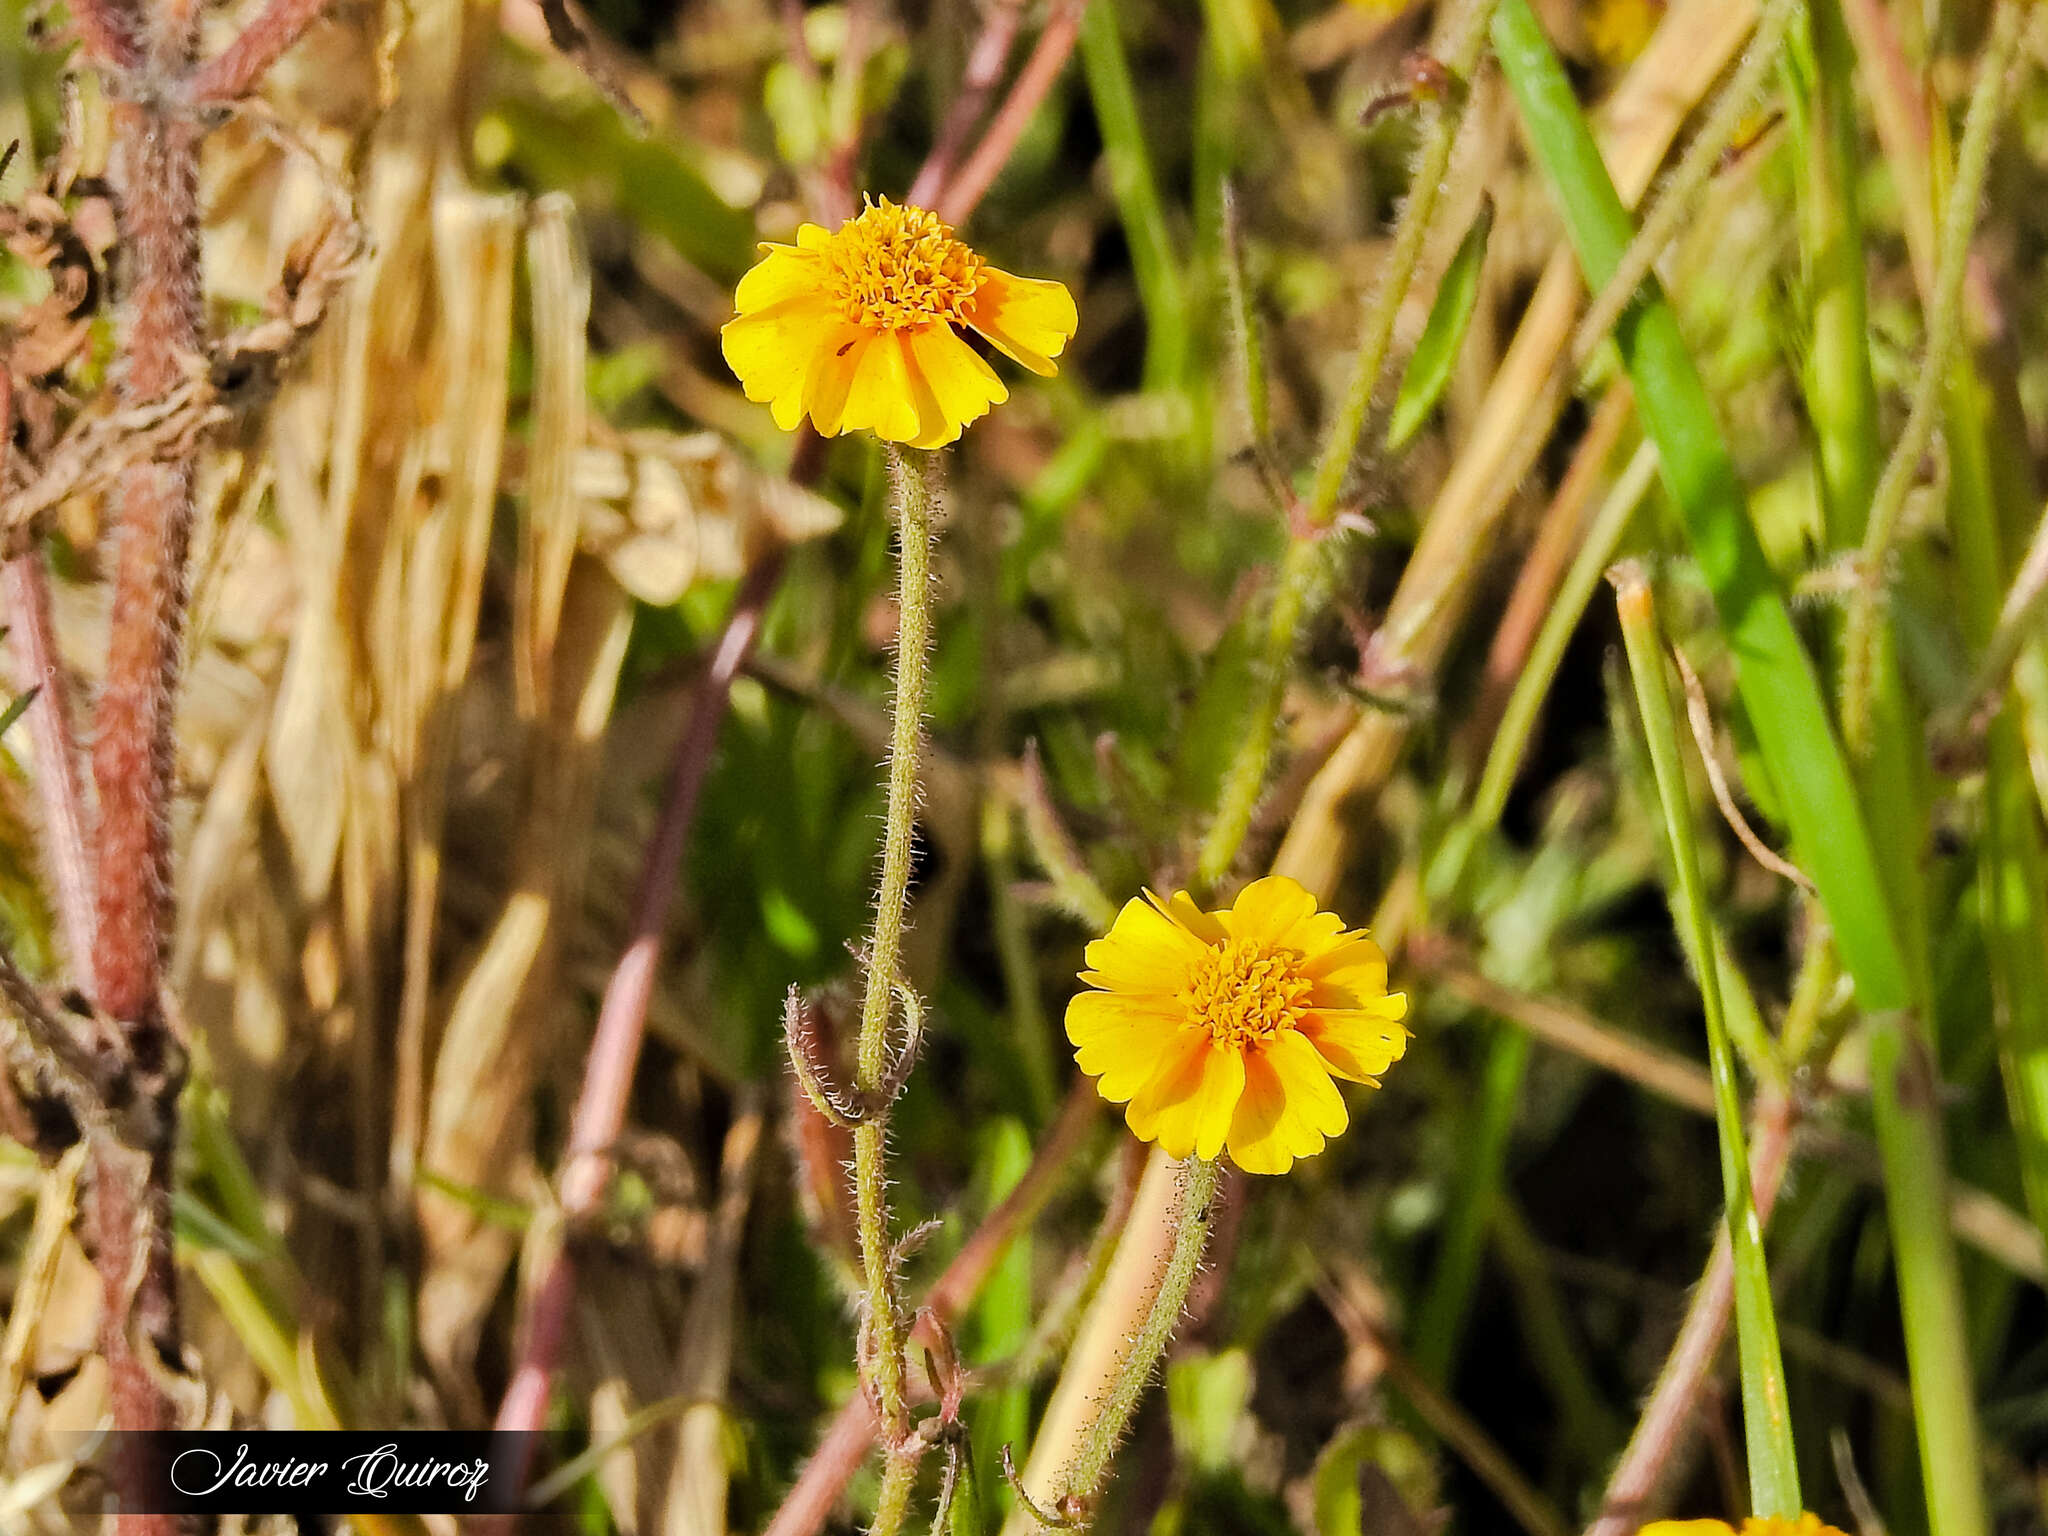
964	1516
1429	366
17	707
1206	1398
507	1214
196	1224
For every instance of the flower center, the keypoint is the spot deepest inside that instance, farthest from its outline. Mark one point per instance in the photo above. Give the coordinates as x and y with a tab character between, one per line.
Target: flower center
1244	992
894	267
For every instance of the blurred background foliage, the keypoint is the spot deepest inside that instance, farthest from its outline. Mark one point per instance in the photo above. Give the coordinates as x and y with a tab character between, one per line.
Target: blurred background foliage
454	596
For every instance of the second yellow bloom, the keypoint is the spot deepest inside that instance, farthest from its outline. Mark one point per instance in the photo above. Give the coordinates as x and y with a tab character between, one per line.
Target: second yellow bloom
856	329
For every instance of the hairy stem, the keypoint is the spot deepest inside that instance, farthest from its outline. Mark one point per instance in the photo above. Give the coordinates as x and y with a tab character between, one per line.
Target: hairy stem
240	67
914	478
1191	1236
1671	1415
1944	323
1121	1340
1465	40
157	184
1674	204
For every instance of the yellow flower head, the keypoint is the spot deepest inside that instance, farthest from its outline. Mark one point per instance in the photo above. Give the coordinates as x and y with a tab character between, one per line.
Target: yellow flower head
1618	30
856	329
1223	1029
1805	1525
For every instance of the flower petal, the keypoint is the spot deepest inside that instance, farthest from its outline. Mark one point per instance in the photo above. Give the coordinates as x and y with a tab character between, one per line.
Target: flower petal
771	351
1029	318
962	386
1188	1104
1350	974
1144	951
1121	1040
783	273
1203	925
1357	1043
1307	1082
1267	911
838	352
813	237
1289	1106
1260	1133
880	397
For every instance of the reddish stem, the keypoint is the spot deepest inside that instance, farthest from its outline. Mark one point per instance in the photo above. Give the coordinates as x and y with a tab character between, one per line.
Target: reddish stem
157	181
1034	81
985	62
25	588
240	67
111	32
622	1018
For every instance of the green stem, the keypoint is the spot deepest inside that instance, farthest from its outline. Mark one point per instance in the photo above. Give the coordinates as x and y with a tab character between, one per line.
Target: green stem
1197	1189
2012	867
1841	397
1806	765
1667	217
1944	322
1532	687
914	480
1766	1408
1474	1197
1245	780
1465	39
1136	191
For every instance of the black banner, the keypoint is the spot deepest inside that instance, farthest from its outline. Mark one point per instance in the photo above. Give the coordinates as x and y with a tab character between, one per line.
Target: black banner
293	1472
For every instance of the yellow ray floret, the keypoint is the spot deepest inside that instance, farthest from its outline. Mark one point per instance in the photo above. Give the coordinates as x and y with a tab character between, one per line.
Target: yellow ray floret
857	329
1769	1525
1224	1029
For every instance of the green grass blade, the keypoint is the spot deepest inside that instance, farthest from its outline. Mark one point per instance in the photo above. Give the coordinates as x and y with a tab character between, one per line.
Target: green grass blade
1153	261
1788	713
1841	396
1779	688
2012	865
1766	1405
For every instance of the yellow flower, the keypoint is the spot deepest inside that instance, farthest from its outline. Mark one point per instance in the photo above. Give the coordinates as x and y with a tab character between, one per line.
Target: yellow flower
1805	1525
1618	30
1223	1029
856	329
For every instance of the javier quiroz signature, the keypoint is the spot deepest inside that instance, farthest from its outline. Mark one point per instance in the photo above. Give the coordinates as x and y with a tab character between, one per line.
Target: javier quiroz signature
373	1474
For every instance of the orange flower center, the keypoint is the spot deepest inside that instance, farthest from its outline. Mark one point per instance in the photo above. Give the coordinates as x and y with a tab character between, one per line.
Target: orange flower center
895	267
1243	992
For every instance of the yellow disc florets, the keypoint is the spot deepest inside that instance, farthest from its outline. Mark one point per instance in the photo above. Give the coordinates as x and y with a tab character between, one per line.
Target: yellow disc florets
895	267
1244	992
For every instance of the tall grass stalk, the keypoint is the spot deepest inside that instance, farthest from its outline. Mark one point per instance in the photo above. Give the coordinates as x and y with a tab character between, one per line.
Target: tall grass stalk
1944	321
1766	1406
1808	768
